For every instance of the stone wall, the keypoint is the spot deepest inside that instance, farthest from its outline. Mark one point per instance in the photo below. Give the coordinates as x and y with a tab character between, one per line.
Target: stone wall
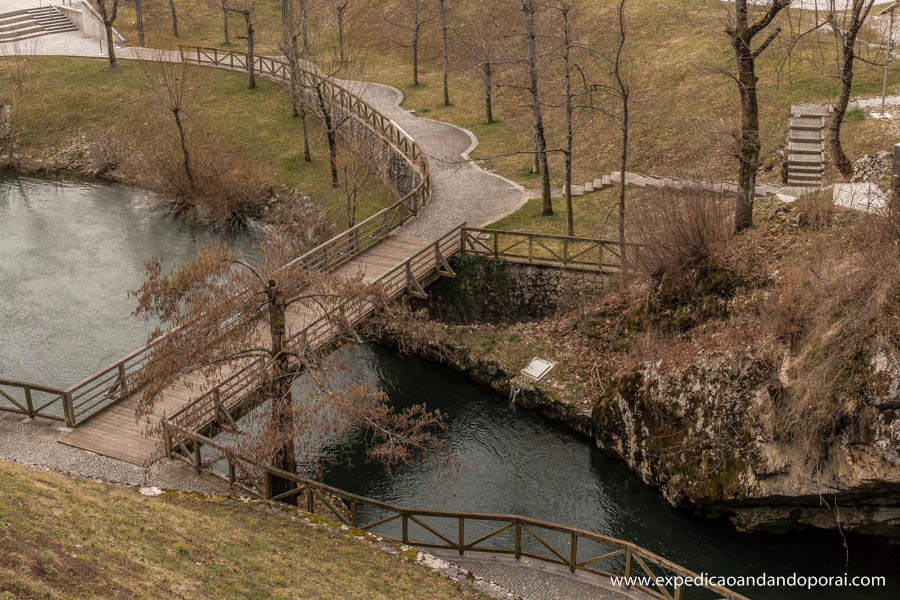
487	290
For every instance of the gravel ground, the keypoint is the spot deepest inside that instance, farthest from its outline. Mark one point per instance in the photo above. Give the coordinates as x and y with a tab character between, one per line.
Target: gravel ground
536	581
461	190
34	443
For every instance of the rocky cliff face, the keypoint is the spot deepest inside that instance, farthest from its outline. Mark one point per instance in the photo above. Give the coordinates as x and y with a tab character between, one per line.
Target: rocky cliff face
705	434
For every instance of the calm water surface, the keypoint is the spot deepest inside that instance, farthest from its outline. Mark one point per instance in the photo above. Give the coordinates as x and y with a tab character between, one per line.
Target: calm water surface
70	251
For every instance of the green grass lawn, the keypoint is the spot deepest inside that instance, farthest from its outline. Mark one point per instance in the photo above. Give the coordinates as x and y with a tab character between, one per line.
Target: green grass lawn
70	99
66	539
684	109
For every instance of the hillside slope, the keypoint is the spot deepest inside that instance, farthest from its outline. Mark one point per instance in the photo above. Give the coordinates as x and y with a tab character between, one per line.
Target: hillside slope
62	538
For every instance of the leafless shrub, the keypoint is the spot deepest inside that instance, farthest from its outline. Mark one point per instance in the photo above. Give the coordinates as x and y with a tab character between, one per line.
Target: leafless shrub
683	234
225	190
837	307
815	210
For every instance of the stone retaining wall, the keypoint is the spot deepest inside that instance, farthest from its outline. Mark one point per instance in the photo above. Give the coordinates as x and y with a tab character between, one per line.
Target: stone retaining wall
487	290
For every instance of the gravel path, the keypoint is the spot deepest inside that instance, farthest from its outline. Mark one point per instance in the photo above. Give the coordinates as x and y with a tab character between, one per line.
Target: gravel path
461	190
538	581
34	443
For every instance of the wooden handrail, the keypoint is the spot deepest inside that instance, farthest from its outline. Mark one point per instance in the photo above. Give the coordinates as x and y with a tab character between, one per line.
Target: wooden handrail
179	438
321	332
336	251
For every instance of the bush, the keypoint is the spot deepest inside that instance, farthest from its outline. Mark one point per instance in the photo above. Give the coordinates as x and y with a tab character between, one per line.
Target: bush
684	235
837	306
226	190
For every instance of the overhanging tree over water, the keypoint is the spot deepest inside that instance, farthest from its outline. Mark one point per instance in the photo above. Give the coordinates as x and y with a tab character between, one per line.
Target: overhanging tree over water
220	312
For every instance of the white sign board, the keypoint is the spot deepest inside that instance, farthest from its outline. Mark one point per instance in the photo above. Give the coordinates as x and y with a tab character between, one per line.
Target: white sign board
537	368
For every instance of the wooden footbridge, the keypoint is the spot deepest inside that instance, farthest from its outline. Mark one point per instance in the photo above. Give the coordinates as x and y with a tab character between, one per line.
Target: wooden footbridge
101	409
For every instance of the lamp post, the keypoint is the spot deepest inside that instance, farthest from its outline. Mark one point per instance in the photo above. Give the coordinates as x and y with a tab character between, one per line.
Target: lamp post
890	50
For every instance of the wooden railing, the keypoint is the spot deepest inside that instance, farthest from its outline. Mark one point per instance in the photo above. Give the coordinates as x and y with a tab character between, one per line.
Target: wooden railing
35	400
543	249
116	381
327	329
517	536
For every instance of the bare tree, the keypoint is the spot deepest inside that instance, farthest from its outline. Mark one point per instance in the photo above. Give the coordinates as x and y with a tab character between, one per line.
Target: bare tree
742	28
530	8
445	55
292	52
624	94
340	11
845	25
411	16
221	312
568	43
247	10
109	10
12	98
174	14
224	6
486	44
172	87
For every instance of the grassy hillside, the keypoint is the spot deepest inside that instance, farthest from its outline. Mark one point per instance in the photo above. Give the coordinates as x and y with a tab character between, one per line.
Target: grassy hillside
61	538
250	129
684	107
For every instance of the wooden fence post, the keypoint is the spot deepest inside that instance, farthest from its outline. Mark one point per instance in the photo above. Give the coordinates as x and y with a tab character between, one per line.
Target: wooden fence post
405	519
267	485
628	566
462	535
573	552
123	383
518	540
28	403
197	455
310	499
69	409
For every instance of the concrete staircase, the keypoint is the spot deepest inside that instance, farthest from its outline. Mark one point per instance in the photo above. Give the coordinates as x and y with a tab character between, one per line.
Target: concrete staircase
806	145
33	22
677	183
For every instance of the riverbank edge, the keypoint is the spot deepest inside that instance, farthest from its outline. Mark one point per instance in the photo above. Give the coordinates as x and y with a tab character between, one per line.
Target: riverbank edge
741	514
493	375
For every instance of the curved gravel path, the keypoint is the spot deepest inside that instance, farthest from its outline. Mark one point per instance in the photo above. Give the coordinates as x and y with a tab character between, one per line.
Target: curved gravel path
461	190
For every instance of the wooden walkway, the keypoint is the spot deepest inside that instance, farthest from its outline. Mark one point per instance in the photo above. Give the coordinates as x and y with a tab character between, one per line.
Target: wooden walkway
116	433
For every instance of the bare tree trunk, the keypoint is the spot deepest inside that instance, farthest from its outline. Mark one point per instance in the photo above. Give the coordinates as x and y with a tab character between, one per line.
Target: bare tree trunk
225	21
139	17
281	419
304	29
174	18
742	33
540	141
184	149
110	43
748	142
251	67
415	49
858	13
624	96
330	135
570	135
340	24
488	90
445	65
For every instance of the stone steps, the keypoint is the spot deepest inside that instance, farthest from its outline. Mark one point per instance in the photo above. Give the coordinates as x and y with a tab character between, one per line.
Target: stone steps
806	145
33	22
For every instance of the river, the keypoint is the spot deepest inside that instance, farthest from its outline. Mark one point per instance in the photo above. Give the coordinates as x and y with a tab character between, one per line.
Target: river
70	251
